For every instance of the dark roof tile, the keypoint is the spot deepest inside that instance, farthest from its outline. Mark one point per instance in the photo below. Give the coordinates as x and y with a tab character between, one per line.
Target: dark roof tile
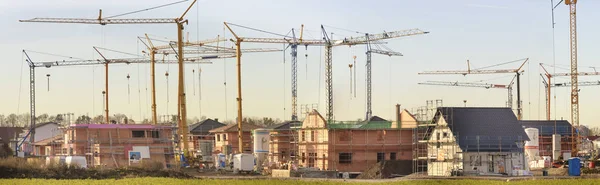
484	129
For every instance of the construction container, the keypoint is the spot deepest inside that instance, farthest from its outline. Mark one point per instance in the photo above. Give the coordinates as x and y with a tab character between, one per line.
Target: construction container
261	140
220	161
574	166
243	162
532	150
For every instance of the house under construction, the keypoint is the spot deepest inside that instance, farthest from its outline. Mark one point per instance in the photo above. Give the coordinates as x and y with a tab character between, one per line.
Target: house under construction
112	145
352	146
469	140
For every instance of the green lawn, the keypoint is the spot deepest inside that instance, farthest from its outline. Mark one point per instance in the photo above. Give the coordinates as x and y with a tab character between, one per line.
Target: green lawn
161	181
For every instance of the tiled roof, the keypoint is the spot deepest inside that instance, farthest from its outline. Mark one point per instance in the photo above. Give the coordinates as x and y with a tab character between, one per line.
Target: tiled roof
203	127
246	127
546	127
284	126
375	122
484	128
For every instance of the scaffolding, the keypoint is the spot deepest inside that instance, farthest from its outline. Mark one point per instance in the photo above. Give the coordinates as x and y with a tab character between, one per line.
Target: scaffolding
348	146
108	146
436	150
421	134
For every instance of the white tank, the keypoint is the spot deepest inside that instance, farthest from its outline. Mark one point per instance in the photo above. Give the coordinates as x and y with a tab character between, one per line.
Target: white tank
261	141
556	146
532	150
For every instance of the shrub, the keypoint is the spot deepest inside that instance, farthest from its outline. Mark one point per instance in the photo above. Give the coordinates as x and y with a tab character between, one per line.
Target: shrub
21	168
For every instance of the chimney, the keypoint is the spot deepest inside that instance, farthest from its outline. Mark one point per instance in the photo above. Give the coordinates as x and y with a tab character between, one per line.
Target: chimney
217	119
398	117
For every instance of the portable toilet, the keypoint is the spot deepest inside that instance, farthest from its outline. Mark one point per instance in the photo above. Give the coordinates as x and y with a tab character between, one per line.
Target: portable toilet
574	166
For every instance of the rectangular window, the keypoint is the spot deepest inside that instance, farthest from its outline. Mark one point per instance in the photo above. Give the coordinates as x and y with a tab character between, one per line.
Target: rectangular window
380	157
64	151
224	137
138	134
393	156
303	135
491	163
312	135
345	158
475	160
154	134
438	136
218	137
312	157
303	157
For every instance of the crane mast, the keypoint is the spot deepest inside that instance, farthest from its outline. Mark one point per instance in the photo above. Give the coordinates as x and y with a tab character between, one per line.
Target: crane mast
294	67
182	123
328	75
369	111
574	78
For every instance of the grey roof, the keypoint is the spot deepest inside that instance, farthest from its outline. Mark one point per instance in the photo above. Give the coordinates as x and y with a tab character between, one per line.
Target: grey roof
484	128
377	118
546	127
38	125
202	128
284	126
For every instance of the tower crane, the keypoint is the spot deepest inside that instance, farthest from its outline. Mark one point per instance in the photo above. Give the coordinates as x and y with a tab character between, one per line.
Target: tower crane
32	65
328	60
179	21
478	85
293	43
166	51
329	44
369	112
517	71
549	81
574	78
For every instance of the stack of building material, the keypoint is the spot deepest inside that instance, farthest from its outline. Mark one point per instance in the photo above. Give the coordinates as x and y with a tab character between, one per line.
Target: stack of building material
387	169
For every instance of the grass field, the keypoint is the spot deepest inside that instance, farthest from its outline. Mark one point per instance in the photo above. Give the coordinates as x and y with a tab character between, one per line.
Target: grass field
157	181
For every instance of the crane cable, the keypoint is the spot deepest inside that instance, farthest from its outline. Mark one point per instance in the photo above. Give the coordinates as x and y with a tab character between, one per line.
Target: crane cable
284	88
147	9
20	84
167	80
138	84
199	69
128	89
224	76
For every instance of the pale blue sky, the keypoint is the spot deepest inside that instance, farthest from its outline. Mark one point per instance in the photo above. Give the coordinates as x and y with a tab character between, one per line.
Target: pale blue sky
485	32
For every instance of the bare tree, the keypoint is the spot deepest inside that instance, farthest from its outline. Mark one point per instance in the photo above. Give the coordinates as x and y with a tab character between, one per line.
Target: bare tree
98	119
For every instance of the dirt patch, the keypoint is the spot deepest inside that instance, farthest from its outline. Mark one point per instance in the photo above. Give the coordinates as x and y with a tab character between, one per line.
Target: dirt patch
387	169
